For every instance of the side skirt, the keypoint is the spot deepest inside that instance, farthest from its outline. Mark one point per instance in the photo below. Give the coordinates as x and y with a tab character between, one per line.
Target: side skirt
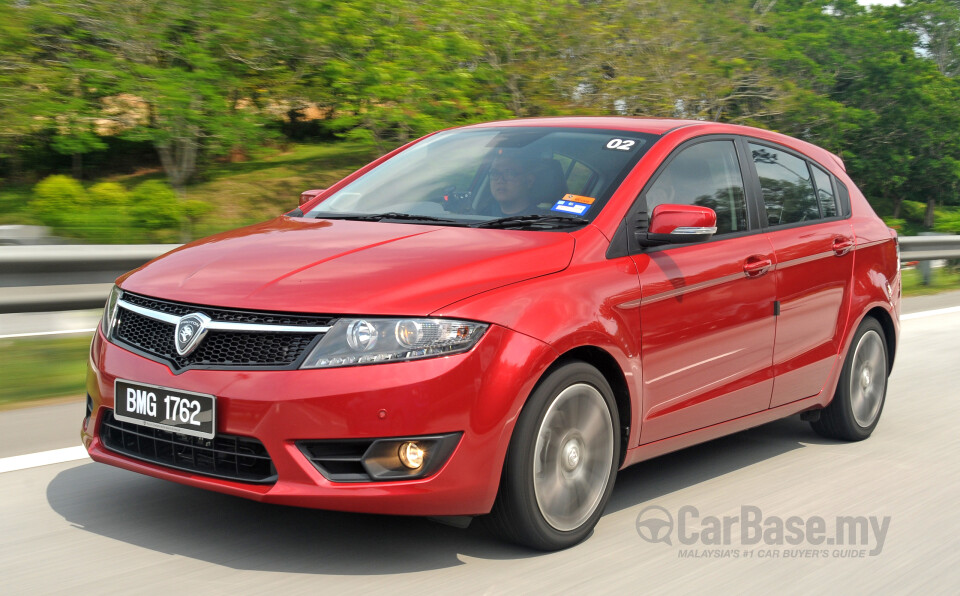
675	443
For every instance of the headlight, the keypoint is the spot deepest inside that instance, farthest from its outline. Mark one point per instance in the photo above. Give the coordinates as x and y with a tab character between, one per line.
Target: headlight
370	341
110	311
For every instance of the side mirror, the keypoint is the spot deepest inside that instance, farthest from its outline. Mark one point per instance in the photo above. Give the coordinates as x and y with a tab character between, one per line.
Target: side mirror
308	195
678	224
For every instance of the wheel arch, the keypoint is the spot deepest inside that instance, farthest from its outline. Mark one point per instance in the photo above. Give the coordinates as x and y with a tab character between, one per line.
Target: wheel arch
608	366
889	331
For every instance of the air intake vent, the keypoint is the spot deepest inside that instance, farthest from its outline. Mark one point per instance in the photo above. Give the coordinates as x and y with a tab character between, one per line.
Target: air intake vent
338	461
226	456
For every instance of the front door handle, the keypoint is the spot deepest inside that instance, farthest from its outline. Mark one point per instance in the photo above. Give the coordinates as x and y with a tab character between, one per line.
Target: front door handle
756	265
842	245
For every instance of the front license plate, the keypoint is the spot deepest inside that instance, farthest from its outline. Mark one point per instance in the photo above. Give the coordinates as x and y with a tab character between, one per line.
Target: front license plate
172	410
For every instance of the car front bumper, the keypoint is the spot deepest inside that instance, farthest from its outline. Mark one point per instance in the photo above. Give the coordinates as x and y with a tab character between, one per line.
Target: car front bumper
478	393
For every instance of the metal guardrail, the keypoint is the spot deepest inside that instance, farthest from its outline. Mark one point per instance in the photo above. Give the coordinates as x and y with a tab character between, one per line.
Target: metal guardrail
929	248
43	278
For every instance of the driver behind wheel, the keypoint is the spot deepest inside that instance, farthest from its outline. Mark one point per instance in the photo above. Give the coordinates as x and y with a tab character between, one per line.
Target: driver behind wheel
519	184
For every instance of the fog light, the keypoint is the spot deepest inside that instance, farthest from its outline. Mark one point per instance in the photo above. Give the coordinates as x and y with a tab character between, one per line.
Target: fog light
411	455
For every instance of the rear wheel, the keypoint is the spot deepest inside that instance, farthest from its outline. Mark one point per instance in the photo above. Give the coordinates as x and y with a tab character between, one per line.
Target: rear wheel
562	461
862	388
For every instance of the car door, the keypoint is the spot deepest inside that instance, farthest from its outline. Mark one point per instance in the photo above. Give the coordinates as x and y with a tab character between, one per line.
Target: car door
813	243
706	310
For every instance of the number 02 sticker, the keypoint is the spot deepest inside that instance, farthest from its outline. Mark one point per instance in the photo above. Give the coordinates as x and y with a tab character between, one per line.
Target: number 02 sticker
620	144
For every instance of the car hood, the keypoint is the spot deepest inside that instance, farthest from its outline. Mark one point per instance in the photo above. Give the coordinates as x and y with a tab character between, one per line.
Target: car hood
348	267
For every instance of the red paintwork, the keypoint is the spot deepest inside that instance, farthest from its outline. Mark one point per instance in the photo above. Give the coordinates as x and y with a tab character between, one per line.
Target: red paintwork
301	265
309	195
687	333
813	286
707	330
664	219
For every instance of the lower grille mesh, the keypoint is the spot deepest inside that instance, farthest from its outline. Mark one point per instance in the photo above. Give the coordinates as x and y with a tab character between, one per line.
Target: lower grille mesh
225	456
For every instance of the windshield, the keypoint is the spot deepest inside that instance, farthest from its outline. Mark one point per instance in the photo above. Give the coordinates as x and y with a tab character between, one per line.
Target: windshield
513	176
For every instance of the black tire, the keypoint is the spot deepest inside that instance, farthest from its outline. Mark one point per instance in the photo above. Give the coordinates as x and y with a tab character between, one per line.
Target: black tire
570	461
846	417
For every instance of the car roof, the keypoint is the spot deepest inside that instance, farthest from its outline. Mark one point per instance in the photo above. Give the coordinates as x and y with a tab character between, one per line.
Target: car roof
657	126
661	126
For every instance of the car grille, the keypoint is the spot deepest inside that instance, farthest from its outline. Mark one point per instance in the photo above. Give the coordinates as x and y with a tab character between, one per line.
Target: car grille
225	456
219	348
228	314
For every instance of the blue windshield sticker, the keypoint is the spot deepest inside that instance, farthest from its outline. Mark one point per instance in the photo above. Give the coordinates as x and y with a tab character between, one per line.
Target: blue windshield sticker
570	207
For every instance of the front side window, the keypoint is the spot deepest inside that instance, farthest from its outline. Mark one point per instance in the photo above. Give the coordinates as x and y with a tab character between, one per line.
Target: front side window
707	175
472	176
788	194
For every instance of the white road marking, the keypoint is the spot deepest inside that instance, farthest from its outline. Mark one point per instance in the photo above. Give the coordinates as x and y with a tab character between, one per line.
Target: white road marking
930	313
44	458
36	333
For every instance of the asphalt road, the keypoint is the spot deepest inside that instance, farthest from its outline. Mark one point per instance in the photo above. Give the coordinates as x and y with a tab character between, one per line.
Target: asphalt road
86	527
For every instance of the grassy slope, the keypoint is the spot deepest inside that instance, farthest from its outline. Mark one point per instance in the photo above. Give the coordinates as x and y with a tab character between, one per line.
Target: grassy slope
271	183
264	186
942	279
38	368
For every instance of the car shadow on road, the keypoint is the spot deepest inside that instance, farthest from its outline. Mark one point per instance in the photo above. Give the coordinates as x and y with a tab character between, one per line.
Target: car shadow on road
236	533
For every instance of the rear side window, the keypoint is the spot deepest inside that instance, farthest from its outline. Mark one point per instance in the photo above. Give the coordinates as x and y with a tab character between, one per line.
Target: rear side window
844	199
788	194
708	175
828	202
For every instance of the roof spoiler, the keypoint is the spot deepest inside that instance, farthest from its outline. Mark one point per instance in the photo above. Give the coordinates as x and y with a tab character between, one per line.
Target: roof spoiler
839	161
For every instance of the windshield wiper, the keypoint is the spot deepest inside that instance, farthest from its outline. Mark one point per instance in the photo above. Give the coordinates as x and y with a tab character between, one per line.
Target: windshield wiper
533	221
382	216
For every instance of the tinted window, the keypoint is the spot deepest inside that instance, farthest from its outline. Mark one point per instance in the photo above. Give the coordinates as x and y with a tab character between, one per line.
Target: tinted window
706	174
788	194
474	175
828	202
844	198
579	178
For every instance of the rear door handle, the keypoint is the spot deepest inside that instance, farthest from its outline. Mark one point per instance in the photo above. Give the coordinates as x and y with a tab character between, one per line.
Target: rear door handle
842	245
756	265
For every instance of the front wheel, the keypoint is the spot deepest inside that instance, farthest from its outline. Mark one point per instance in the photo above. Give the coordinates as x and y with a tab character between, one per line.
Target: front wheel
562	461
862	388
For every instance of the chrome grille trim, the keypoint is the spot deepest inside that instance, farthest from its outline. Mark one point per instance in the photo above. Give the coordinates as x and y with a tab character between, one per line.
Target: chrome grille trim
222	325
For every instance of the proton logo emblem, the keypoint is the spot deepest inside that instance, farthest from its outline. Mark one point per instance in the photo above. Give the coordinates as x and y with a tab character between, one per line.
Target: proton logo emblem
190	330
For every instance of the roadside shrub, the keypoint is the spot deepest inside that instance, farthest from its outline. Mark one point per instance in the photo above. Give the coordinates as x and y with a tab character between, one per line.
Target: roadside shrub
156	210
60	202
897	224
109	194
913	211
194	209
108	218
194	212
947	221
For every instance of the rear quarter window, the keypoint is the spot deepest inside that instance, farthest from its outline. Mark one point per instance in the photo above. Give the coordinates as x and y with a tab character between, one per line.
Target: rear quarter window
788	193
825	196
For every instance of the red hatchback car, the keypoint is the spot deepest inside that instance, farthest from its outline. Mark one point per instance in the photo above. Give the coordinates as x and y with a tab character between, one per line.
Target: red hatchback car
495	319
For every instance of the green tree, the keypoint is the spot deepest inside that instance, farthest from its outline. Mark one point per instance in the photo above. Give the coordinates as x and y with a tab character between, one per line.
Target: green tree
937	25
883	107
